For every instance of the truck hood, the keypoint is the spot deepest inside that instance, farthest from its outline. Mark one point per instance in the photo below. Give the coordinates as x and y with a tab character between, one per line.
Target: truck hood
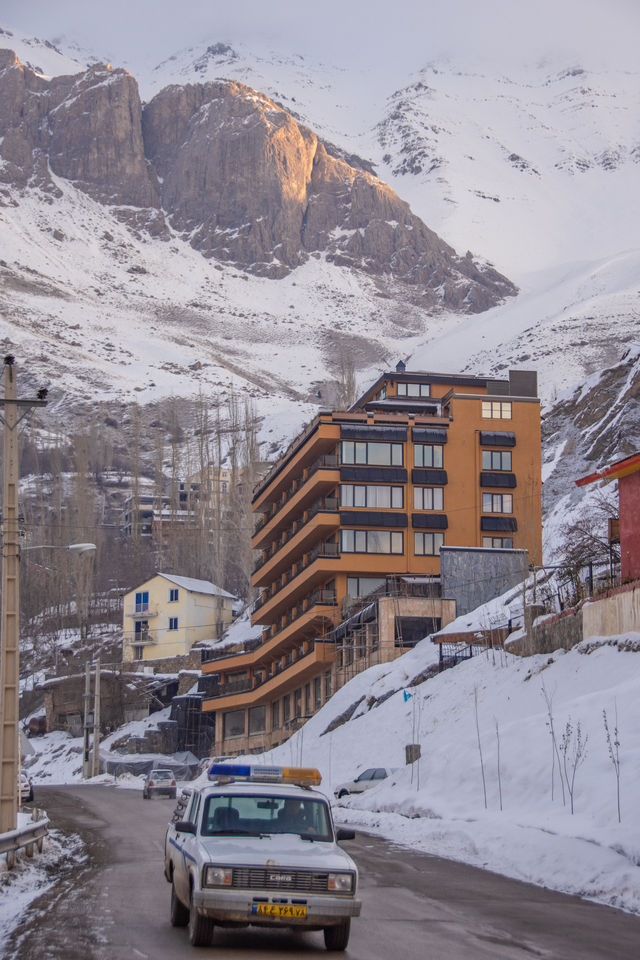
276	850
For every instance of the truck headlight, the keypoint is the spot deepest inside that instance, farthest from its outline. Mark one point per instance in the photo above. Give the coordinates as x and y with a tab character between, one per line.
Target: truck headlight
217	876
340	882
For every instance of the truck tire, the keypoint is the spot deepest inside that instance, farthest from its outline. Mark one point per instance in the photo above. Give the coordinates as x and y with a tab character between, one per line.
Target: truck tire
337	937
179	913
200	928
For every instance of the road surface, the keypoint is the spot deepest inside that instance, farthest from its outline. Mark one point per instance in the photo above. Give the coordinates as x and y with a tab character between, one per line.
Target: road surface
415	907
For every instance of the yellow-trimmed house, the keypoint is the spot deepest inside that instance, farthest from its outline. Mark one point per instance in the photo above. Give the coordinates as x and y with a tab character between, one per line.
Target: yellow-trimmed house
166	615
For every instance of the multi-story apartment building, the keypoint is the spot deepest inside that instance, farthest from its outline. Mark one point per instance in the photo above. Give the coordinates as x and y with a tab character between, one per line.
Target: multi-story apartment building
364	499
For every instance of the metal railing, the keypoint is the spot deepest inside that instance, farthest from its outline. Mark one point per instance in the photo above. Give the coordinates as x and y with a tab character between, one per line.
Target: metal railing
27	837
328	461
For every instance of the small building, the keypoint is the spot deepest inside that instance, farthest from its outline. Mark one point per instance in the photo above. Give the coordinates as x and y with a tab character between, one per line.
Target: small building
627	473
167	615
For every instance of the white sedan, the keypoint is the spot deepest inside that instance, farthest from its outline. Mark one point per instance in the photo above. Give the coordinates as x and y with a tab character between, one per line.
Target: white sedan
367	779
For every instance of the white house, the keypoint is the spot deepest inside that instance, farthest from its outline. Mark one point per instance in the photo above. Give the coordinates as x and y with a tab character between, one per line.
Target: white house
167	615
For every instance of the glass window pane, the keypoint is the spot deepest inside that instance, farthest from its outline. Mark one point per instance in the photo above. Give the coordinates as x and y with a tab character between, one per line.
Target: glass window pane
396	542
348	455
360	541
397	497
359	496
361	453
346	495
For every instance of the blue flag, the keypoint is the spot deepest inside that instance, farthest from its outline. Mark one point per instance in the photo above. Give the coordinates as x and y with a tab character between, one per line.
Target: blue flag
407	696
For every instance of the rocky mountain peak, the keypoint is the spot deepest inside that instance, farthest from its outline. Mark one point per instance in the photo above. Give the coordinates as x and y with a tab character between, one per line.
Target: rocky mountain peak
232	172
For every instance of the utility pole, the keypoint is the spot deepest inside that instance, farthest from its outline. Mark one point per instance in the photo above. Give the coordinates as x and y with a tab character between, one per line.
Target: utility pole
96	723
14	411
86	767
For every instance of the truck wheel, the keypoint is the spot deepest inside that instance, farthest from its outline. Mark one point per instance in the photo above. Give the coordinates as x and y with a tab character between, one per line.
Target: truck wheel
343	793
200	928
179	913
337	937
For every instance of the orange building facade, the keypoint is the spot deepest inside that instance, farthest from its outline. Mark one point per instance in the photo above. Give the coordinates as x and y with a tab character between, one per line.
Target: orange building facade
363	498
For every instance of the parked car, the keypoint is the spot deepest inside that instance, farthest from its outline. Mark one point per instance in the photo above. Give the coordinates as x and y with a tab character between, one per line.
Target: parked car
159	783
367	779
26	788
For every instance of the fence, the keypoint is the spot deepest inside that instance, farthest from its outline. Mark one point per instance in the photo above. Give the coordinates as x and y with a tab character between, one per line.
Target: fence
24	837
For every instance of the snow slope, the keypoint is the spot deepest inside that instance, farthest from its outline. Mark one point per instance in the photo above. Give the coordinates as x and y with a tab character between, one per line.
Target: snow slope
524	830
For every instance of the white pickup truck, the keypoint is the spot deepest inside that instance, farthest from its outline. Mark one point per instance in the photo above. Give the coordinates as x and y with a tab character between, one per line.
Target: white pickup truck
258	846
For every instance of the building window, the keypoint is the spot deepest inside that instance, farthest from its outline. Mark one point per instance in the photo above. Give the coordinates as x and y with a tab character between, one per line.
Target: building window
413	390
137	653
234	723
297	703
498	543
427	544
427	455
173	595
142	601
275	714
361	586
317	692
257	719
497	503
496	460
308	709
428	498
368	495
141	630
371	541
496	410
381	394
327	685
371	452
173	623
286	709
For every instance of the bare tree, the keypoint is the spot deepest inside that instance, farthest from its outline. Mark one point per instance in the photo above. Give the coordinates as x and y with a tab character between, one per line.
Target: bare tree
573	748
613	746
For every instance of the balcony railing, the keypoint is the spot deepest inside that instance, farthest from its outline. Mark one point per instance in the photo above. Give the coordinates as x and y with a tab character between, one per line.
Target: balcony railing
293	657
325	549
324	505
328	461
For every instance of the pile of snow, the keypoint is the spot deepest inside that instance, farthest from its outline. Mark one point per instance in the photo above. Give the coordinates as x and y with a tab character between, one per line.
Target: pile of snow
487	790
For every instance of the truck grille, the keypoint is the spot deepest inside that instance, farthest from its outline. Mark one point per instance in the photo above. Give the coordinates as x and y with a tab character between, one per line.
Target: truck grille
279	878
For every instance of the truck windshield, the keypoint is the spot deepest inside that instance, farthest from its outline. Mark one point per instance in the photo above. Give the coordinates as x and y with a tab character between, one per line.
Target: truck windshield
255	815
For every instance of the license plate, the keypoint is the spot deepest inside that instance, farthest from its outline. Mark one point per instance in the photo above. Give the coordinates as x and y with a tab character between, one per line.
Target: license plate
280	910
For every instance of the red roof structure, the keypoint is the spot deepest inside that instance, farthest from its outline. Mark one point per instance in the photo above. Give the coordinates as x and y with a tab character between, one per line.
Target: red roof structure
627	472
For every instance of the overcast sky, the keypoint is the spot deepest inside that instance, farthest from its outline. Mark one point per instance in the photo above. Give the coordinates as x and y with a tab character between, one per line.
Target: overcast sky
409	32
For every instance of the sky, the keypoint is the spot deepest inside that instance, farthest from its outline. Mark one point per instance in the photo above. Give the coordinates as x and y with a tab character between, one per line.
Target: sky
132	32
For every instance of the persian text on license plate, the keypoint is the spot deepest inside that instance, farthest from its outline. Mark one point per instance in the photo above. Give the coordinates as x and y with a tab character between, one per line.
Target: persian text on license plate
294	911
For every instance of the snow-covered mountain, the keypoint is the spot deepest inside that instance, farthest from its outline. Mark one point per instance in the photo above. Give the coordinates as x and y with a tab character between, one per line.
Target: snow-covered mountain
534	171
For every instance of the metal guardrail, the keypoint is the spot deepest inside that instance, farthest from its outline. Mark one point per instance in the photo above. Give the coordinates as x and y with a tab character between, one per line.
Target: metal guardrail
26	837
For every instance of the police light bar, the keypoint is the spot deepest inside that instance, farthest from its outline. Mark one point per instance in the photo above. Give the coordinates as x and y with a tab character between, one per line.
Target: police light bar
303	776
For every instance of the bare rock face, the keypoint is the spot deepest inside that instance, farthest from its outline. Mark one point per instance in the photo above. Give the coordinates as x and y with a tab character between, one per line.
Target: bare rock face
250	185
231	171
88	126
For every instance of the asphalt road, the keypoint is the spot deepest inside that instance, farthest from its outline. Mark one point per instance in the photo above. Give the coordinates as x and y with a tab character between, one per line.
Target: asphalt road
415	907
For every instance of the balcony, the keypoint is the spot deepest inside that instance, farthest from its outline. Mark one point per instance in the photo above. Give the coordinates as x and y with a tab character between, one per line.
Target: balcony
323	472
319	605
316	522
324	550
140	639
141	612
282	678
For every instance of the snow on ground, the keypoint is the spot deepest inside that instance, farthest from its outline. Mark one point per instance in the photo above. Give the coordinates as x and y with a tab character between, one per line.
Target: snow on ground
524	828
30	878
